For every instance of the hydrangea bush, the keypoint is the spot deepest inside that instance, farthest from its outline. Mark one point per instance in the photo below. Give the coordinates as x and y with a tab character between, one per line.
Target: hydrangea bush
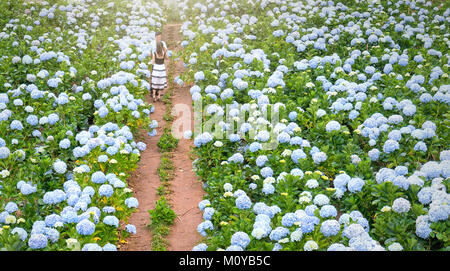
362	91
73	79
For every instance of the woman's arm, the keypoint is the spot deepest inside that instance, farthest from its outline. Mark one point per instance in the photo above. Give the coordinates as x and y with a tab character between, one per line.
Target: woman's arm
151	68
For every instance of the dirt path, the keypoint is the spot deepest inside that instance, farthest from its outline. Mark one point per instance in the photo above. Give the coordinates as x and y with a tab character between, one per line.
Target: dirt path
144	182
186	190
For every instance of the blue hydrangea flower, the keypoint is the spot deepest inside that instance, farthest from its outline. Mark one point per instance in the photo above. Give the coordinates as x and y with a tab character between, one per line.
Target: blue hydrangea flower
444	155
289	219
54	197
52	219
37	241
109	247
102	158
198	76
401	205
52	234
262	208
141	146
240	239
425	195
131	228
268	189
278	233
89	190
60	167
16	125
401	182
283	137
91	247
243	202
111	221
203	204
11	207
27	189
341	180
132	202
4	152
355	185
438	212
3	216
330	227
64	144
423	230
337	247
332	126
234	248
277	247
53	118
208	213
319	157
321	199
205	225
292	115
353	230
420	146
106	190
200	247
266	172
236	158
431	169
32	120
390	146
298	154
98	177
109	209
310	209
296	235
69	215
328	211
261	160
20	232
85	227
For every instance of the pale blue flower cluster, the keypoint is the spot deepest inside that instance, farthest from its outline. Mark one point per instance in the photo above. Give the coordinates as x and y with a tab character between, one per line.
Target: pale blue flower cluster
279	233
330	227
85	227
401	205
240	239
333	126
132	202
205	225
243	202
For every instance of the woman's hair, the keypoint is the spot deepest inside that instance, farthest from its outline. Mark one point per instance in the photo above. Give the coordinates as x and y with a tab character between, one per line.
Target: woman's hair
159	48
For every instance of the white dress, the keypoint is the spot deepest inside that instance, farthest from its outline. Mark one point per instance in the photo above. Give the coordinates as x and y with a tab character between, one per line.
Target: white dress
159	76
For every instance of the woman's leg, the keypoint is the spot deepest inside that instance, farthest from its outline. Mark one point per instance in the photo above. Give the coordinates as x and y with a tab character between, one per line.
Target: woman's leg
159	94
158	91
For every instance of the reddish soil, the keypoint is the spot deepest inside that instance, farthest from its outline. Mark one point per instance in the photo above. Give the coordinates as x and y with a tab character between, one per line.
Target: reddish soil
186	190
144	182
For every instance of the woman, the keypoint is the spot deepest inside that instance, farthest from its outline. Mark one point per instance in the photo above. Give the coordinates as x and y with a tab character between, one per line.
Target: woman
159	76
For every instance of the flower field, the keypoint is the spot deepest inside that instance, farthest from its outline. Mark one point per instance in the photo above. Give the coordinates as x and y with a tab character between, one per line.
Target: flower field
322	125
362	92
73	76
